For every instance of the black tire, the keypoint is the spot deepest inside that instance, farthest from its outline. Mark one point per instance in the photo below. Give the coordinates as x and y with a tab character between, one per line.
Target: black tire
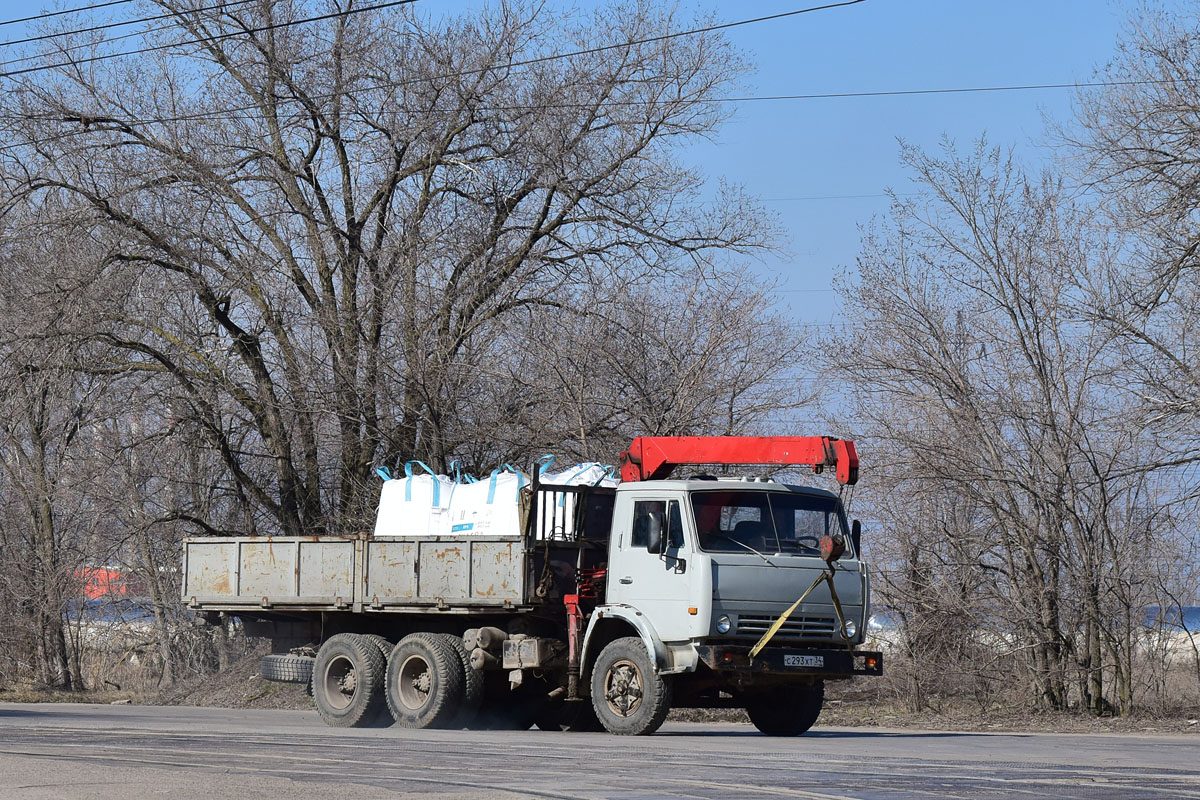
582	718
629	697
508	709
286	668
424	682
472	683
347	681
385	647
787	712
577	717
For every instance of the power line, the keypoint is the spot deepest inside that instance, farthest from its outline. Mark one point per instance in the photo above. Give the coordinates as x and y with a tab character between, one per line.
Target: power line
119	24
76	10
825	197
953	90
230	112
526	62
666	36
209	39
86	45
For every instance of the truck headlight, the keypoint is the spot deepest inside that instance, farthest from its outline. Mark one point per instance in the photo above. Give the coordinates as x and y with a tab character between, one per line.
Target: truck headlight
723	623
851	629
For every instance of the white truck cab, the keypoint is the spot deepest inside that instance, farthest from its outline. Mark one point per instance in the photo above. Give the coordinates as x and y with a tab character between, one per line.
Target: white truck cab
702	568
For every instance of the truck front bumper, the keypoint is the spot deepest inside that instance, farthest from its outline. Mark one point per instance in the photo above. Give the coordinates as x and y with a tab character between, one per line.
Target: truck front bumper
792	661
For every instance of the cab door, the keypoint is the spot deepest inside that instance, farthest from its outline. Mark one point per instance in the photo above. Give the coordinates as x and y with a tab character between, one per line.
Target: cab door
659	584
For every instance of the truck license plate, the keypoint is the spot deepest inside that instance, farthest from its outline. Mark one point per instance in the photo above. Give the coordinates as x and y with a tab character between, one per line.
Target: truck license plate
803	661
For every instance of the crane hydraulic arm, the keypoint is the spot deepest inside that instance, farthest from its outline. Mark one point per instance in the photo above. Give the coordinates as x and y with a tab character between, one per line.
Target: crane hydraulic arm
653	457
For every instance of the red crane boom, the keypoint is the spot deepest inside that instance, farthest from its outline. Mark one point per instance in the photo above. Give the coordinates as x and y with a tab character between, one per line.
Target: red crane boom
653	457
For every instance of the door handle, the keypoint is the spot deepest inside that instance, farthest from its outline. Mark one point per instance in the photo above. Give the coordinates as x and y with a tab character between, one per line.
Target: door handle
626	580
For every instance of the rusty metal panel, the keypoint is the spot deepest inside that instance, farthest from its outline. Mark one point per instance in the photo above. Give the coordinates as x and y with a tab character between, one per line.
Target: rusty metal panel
327	569
268	568
445	570
496	570
391	570
211	569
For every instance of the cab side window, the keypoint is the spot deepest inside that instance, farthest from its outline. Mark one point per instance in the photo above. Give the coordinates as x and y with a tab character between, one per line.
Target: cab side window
643	512
674	525
668	515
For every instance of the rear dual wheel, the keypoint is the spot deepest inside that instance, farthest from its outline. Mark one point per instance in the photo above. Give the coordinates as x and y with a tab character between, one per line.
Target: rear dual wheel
425	683
347	679
472	683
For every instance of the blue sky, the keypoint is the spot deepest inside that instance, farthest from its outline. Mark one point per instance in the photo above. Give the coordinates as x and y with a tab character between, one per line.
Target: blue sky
839	147
822	165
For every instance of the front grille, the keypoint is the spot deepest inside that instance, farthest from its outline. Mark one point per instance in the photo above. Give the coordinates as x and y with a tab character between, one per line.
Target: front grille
795	628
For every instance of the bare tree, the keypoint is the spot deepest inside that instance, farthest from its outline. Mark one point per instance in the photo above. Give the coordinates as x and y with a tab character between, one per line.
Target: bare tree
318	221
1136	147
696	355
978	372
47	417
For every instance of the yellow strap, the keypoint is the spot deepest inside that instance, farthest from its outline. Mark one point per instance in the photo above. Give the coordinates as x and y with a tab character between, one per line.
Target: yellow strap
777	624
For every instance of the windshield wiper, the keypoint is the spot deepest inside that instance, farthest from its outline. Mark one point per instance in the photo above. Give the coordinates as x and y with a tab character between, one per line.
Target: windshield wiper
748	547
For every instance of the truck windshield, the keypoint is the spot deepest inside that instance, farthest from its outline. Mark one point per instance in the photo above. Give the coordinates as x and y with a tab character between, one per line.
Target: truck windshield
769	522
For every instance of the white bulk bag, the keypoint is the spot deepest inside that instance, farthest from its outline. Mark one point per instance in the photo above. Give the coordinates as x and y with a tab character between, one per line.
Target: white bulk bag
591	474
415	505
489	507
559	523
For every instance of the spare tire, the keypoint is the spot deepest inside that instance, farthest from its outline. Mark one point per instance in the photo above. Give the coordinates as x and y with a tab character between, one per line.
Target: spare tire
287	668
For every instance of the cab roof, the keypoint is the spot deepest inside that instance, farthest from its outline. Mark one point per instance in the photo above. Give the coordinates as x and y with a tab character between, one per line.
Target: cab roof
722	484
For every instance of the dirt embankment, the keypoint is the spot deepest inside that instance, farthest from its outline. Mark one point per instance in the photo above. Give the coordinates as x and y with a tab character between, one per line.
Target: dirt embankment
239	686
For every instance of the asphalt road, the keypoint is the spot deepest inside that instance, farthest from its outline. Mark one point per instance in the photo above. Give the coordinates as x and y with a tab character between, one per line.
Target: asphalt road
133	752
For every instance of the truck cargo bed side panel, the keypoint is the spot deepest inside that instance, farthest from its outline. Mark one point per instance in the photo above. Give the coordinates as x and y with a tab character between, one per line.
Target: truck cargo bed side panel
496	570
322	573
445	570
326	569
270	570
391	571
212	569
470	571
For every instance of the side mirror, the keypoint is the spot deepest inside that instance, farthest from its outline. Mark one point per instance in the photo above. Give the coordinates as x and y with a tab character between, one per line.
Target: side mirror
856	538
655	523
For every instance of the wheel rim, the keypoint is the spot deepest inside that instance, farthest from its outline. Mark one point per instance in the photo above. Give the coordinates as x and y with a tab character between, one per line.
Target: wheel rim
341	682
623	688
415	682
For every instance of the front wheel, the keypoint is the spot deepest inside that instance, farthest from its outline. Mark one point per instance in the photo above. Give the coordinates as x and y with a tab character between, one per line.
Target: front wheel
787	712
629	697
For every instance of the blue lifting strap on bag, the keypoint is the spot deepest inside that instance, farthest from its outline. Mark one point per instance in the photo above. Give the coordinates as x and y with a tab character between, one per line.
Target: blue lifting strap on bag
496	474
408	472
